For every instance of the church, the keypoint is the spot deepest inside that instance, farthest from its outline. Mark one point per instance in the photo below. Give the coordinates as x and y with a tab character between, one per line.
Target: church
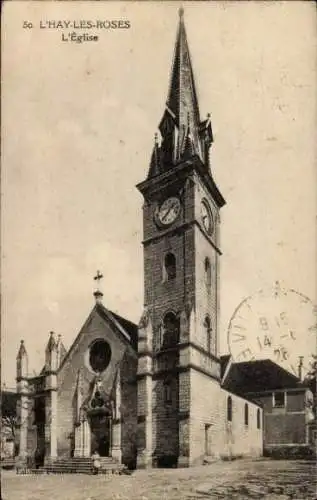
150	395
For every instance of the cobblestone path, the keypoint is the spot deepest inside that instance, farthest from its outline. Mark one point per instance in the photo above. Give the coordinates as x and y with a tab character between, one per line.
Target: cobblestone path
241	479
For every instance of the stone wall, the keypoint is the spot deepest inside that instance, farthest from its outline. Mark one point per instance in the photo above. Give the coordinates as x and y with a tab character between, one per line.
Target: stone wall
210	432
165	418
206	295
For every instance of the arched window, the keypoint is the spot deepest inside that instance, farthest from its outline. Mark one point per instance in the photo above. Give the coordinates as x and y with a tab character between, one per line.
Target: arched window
208	333
246	414
229	409
258	419
208	274
169	272
170	330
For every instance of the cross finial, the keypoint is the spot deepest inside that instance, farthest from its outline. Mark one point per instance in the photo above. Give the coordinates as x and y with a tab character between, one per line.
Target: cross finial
98	294
181	12
98	276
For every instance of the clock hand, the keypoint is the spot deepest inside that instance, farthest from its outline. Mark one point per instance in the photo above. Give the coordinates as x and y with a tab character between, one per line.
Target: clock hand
166	213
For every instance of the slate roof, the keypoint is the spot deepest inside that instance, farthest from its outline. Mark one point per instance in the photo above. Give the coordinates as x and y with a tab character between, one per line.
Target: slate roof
259	376
182	95
130	329
224	360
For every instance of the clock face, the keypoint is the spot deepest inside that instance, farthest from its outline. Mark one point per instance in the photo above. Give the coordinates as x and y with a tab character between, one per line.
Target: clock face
276	324
206	217
169	211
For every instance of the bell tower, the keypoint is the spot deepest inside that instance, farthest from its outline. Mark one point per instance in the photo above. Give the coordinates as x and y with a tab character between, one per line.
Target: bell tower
178	331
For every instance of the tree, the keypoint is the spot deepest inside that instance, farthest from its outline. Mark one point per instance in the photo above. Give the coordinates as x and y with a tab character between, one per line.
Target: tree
311	380
8	410
8	419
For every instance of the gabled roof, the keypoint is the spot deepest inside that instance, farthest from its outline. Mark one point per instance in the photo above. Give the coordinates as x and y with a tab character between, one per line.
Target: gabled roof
257	376
126	329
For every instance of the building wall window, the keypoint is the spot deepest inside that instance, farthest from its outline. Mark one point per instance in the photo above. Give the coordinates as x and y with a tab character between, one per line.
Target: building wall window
229	409
279	399
258	419
246	414
169	270
167	388
170	330
208	333
207	274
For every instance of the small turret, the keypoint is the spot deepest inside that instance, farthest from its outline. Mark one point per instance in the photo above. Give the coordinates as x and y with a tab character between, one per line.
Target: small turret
51	353
22	361
188	148
61	351
155	163
23	404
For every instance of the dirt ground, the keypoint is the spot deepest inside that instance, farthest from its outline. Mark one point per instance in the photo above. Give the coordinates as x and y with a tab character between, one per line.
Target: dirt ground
275	480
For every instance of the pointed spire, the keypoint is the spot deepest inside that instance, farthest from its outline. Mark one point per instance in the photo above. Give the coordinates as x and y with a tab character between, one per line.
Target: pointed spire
188	148
155	163
22	351
22	361
51	353
182	98
51	344
184	137
61	351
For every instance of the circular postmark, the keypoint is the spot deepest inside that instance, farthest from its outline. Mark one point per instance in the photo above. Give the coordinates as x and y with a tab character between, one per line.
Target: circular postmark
277	324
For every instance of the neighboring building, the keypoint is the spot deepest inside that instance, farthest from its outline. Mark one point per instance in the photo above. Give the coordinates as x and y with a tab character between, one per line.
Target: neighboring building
151	395
286	401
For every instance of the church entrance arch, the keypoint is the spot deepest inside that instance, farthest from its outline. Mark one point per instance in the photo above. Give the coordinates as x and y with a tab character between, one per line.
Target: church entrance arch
100	428
100	422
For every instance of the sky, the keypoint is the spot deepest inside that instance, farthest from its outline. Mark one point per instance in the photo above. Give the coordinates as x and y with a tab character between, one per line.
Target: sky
78	124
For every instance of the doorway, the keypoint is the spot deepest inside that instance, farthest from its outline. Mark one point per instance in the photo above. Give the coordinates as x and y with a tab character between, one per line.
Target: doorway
100	426
207	440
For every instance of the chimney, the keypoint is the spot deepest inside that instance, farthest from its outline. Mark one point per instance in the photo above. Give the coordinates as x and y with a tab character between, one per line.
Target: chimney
300	367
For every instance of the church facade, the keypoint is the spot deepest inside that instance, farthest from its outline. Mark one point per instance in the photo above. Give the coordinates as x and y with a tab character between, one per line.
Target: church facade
151	395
